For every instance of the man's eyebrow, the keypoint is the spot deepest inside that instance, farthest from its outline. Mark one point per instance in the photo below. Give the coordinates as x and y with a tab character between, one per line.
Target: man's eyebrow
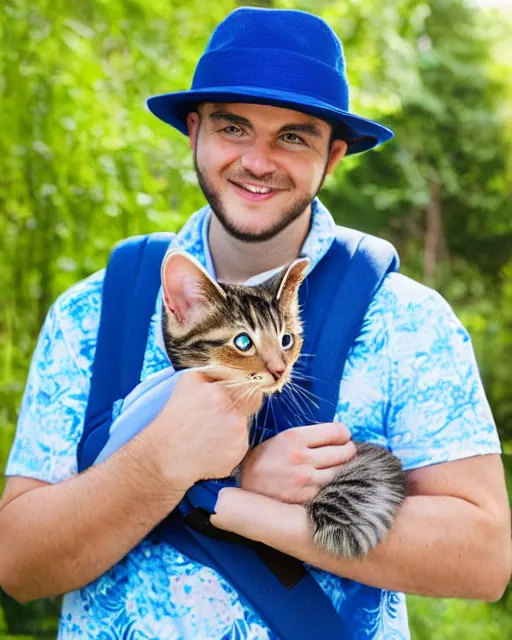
303	127
229	117
294	127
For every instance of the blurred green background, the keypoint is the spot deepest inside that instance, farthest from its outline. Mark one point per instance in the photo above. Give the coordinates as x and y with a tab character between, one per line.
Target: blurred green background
83	164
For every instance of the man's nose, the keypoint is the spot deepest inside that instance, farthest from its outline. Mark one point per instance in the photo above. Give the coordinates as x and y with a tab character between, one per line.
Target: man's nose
258	160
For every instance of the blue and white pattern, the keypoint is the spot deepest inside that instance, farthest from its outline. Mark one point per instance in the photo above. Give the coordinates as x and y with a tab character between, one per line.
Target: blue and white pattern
411	383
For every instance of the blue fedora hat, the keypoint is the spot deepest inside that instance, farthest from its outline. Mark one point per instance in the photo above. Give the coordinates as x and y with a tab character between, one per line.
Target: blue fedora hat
284	58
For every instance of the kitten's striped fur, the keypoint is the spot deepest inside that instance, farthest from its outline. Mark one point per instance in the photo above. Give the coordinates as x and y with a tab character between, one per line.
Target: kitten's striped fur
202	324
353	513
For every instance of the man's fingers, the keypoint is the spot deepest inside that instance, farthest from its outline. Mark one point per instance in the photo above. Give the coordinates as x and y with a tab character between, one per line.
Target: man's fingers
322	477
332	456
324	434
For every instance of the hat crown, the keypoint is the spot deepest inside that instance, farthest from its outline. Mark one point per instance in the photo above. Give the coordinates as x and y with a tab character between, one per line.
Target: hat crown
285	58
279	29
275	49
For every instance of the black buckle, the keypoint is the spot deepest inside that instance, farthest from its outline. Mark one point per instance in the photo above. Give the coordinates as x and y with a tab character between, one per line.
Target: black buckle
199	520
287	569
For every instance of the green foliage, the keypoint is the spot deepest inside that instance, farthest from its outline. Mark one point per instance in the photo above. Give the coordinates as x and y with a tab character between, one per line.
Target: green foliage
454	619
83	164
37	619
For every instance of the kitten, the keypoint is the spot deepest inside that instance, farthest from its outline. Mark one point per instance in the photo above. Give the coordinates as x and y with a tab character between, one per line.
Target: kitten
251	337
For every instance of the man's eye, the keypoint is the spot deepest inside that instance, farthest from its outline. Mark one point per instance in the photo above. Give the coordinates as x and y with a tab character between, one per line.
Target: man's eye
232	130
293	138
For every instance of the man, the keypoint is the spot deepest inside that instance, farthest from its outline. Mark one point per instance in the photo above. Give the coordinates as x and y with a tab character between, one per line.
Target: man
268	119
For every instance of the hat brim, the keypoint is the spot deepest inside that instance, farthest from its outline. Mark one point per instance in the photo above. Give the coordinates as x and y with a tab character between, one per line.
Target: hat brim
173	108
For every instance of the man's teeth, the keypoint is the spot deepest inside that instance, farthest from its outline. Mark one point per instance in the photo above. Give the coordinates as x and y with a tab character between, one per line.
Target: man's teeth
252	189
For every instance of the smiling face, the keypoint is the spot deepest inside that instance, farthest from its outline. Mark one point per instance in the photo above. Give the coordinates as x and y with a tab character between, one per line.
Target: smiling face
260	166
249	336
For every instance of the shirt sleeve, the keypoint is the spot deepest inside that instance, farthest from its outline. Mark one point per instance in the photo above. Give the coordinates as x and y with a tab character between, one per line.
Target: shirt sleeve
52	411
438	411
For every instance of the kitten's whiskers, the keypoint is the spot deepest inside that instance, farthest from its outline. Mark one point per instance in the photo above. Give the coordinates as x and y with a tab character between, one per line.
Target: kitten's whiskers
302	376
308	396
292	403
297	400
247	394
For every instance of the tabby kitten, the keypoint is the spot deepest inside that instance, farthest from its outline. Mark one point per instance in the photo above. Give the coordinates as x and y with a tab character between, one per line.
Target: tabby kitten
251	337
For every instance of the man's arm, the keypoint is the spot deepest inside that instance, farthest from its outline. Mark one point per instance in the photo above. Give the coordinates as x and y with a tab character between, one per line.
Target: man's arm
451	539
415	383
59	537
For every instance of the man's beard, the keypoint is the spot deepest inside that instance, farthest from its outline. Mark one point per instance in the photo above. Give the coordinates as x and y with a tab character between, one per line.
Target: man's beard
214	200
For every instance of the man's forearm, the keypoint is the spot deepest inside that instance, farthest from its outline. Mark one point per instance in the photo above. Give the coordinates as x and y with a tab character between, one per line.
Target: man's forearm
440	546
56	538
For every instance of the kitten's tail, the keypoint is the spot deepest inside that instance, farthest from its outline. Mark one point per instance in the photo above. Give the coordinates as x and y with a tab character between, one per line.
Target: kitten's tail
355	512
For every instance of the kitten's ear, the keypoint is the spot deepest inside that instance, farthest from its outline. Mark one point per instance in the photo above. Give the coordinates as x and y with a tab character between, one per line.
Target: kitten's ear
287	293
188	291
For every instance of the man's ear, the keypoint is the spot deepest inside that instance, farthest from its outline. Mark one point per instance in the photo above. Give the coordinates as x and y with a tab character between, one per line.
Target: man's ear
193	120
337	151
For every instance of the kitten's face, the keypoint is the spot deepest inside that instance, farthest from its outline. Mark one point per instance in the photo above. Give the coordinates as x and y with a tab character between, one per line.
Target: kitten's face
246	335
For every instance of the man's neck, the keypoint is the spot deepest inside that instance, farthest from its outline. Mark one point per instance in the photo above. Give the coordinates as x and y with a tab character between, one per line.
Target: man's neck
236	261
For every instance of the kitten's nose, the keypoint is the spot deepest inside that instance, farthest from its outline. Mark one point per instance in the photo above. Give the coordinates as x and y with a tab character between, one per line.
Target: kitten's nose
276	370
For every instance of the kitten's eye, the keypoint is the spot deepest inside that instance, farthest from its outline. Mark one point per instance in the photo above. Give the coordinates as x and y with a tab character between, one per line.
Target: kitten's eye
243	342
287	341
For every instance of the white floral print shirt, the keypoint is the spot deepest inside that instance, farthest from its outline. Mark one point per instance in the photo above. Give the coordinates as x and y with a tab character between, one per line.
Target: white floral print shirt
410	383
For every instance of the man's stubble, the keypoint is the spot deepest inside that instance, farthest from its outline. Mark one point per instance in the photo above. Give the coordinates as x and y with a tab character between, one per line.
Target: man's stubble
296	209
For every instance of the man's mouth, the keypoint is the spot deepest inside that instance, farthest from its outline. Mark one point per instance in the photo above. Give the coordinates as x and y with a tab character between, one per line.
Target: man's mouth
253	192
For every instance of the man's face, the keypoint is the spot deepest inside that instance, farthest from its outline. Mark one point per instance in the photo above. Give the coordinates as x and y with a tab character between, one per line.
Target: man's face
260	166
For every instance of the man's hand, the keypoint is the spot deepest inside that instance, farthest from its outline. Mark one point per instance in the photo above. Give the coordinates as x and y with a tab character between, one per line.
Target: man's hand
92	520
451	538
294	465
204	425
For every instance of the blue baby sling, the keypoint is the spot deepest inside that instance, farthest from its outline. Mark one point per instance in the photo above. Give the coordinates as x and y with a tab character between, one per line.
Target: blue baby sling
333	298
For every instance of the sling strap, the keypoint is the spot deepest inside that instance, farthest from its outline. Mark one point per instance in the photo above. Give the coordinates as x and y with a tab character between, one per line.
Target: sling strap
333	298
130	288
